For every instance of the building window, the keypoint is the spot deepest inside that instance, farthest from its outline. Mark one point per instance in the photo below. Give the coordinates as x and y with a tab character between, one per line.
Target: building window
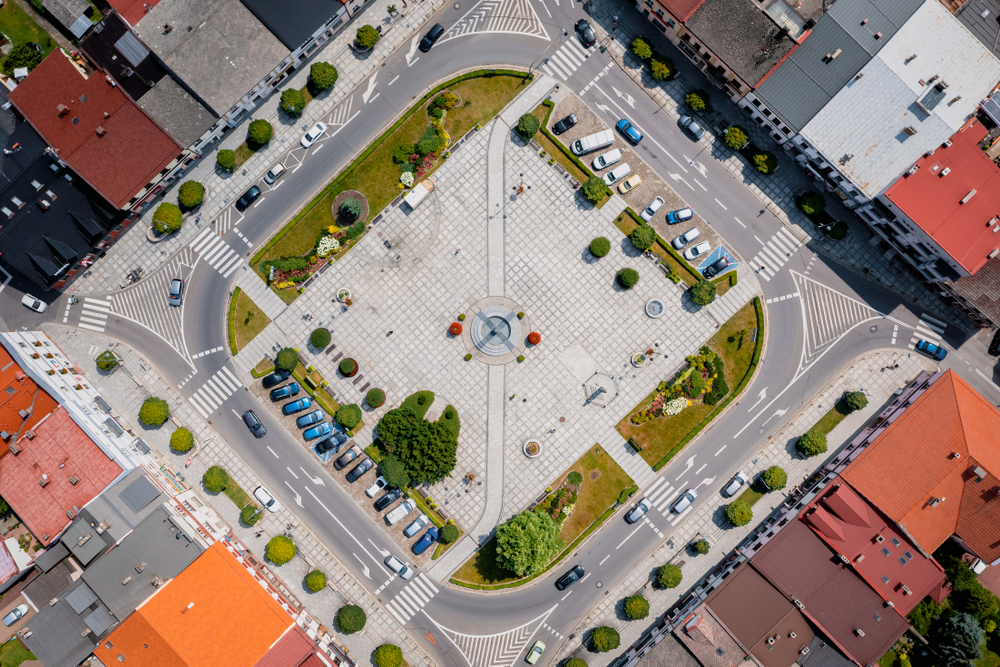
108	645
121	657
671	23
908	555
755	102
885	579
902	560
885	552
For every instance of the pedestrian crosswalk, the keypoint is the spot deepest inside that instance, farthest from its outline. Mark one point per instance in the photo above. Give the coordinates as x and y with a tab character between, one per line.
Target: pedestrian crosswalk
500	649
774	254
147	302
94	313
211	248
227	220
928	328
566	60
412	598
216	391
661	494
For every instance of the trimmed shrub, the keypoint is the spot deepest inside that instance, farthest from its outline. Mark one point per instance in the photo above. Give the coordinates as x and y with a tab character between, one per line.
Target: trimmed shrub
661	68
106	360
449	533
351	618
534	338
642	237
641	48
287	359
250	515
627	278
226	159
669	576
190	194
436	113
719	386
320	338
703	293
215	479
260	131
739	513
181	440
527	125
356	230
775	478
856	400
387	655
735	137
838	231
812	202
293	101
600	246
595	189
401	154
154	411
697	100
323	75
575	662
315	581
375	397
636	607
626	494
811	443
280	549
348	367
351	208
605	639
574	478
348	416
367	37
702	547
167	218
765	162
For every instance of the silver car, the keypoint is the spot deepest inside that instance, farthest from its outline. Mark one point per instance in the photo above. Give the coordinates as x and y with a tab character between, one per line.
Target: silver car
274	173
702	248
735	484
399	567
684	501
689	124
654	206
608	159
617	174
638	511
176	291
15	615
685	238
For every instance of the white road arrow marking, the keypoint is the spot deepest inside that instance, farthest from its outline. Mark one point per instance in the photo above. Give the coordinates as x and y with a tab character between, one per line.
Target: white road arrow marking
371	88
605	108
777	413
298	498
413	52
381	551
625	96
687	466
314	480
706	482
363	566
760	397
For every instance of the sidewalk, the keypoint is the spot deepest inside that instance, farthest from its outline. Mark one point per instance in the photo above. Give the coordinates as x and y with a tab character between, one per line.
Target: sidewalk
132	249
127	395
709	522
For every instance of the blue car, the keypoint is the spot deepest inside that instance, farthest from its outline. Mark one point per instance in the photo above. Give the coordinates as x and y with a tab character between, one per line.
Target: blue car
429	538
289	390
629	132
317	431
309	418
296	406
931	350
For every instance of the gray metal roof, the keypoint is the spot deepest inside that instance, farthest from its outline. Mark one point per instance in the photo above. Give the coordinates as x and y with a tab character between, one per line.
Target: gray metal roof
49	558
985	28
112	509
99	620
66	11
176	111
83	539
138	493
59	635
81	598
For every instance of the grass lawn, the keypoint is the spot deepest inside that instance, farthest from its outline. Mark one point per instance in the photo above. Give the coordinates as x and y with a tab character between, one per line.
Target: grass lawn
265	366
13	653
245	151
753	493
21	28
658	436
442	548
248	318
626	224
829	421
482	568
320	395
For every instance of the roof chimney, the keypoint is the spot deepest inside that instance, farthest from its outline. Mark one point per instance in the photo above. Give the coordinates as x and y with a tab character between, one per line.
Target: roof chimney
832	56
62	109
945	171
101	131
979	473
185	609
43	480
966	198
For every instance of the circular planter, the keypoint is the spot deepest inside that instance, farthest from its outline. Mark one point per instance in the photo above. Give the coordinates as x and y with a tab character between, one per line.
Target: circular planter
348	368
531	449
455	329
639	360
343	294
349	194
534	338
154	236
654	308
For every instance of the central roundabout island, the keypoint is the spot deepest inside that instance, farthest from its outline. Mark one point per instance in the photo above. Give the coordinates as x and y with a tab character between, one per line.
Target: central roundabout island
494	333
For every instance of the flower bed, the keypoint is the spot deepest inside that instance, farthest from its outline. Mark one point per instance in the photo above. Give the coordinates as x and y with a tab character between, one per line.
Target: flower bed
699	379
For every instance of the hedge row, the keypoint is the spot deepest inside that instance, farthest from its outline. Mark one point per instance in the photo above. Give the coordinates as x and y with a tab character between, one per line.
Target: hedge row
550	105
666	246
232	320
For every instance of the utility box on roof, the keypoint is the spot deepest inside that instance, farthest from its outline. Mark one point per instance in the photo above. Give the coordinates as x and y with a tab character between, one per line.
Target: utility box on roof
420	192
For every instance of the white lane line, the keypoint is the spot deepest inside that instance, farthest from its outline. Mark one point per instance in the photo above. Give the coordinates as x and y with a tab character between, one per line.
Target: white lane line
698	471
269	449
627	537
566	596
605	558
344	528
720	204
702	186
624	114
720	450
291	471
394	80
993	384
758	240
741	223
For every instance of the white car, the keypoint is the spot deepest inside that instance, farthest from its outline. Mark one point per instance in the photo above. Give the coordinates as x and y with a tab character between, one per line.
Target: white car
15	615
685	238
34	303
702	248
265	498
735	484
617	174
399	567
654	206
638	511
376	486
313	135
417	524
401	510
608	159
684	501
274	173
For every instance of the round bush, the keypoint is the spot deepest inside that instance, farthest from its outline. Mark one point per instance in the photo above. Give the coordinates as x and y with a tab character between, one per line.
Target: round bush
600	246
775	478
468	357
320	338
293	102
765	162
348	367
226	159
697	100
348	416
388	655
323	75
856	400
636	607
627	278
641	48
449	533
455	329
260	131
287	359
575	662
250	515
366	37
812	202
280	550
669	576
190	194
215	479
703	293
605	639
838	231
181	440
520	358
662	68
735	137
811	443
154	411
167	218
739	513
106	360
375	397
534	338
527	125
315	581
351	208
702	547
595	189
351	618
642	237
574	478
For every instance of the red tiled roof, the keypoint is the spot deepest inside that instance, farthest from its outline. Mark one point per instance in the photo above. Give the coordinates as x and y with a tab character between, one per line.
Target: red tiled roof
60	450
934	202
682	9
119	163
133	10
19	392
292	650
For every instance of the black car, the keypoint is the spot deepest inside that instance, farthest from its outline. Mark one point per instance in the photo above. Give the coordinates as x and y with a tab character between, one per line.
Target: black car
566	123
249	197
253	423
433	35
570	578
360	470
390	496
995	344
717	267
332	444
287	391
275	378
586	33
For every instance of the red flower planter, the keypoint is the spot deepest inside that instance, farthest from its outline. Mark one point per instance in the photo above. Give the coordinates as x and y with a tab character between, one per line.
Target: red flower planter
534	338
455	329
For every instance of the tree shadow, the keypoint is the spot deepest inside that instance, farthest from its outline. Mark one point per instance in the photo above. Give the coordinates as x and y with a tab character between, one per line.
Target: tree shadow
688	304
628	249
589	257
719	517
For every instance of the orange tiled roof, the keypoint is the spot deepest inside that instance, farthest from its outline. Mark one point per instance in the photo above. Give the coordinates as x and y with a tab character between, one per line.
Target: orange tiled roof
19	392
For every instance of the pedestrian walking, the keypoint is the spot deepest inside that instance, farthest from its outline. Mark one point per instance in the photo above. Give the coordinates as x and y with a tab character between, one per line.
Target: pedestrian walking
389	334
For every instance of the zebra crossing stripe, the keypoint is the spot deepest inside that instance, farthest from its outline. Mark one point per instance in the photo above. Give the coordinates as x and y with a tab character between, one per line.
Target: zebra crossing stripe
392	611
97	304
425	582
403	606
927	333
89	326
415	592
933	322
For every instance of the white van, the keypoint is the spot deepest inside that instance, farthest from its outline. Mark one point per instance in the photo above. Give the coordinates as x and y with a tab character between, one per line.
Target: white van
617	174
399	512
592	142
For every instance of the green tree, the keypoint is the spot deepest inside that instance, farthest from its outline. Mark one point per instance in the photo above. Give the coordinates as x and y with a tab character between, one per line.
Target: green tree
426	449
315	581
643	237
765	162
154	411
280	549
4	508
605	639
702	547
627	278
348	416
641	48
394	472
739	513
811	443
226	159
351	618
387	655
106	360
735	137
661	69
366	37
856	400
351	209
775	478
401	154
375	397
703	293
190	194
575	662
636	607
293	102
697	100
959	639
449	533
527	542
595	189
574	478
600	246
320	338
287	359
21	55
323	75
668	576
812	202
527	125
167	218
250	515
215	479
348	367
260	131
181	440
838	231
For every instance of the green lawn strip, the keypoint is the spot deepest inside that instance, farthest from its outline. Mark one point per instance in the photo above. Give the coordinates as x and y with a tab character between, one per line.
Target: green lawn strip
564	155
319	395
244	152
412	402
18	25
374	452
424	507
232	320
628	220
753	493
236	493
13	653
830	420
246	320
723	284
262	368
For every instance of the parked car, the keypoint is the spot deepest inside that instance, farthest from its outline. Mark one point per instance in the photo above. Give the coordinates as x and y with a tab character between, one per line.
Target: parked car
680	215
317	431
429	538
313	134
34	303
249	197
692	126
535	653
275	378
310	418
416	525
376	486
585	33
359	470
608	159
566	123
274	173
570	578
735	484
401	510
931	350
15	615
633	135
684	501
296	406
388	498
685	238
702	248
253	423
630	184
348	456
995	344
432	36
287	391
264	497
717	267
638	511
333	443
617	174
398	567
654	206
176	291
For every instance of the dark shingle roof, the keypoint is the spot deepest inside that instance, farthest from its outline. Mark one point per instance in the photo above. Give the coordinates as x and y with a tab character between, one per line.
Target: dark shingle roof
982	290
985	28
293	21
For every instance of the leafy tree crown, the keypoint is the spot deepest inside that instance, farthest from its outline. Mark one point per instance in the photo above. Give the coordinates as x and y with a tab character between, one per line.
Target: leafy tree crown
527	542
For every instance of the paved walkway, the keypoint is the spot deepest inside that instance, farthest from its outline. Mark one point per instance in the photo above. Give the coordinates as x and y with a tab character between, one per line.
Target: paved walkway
250	282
